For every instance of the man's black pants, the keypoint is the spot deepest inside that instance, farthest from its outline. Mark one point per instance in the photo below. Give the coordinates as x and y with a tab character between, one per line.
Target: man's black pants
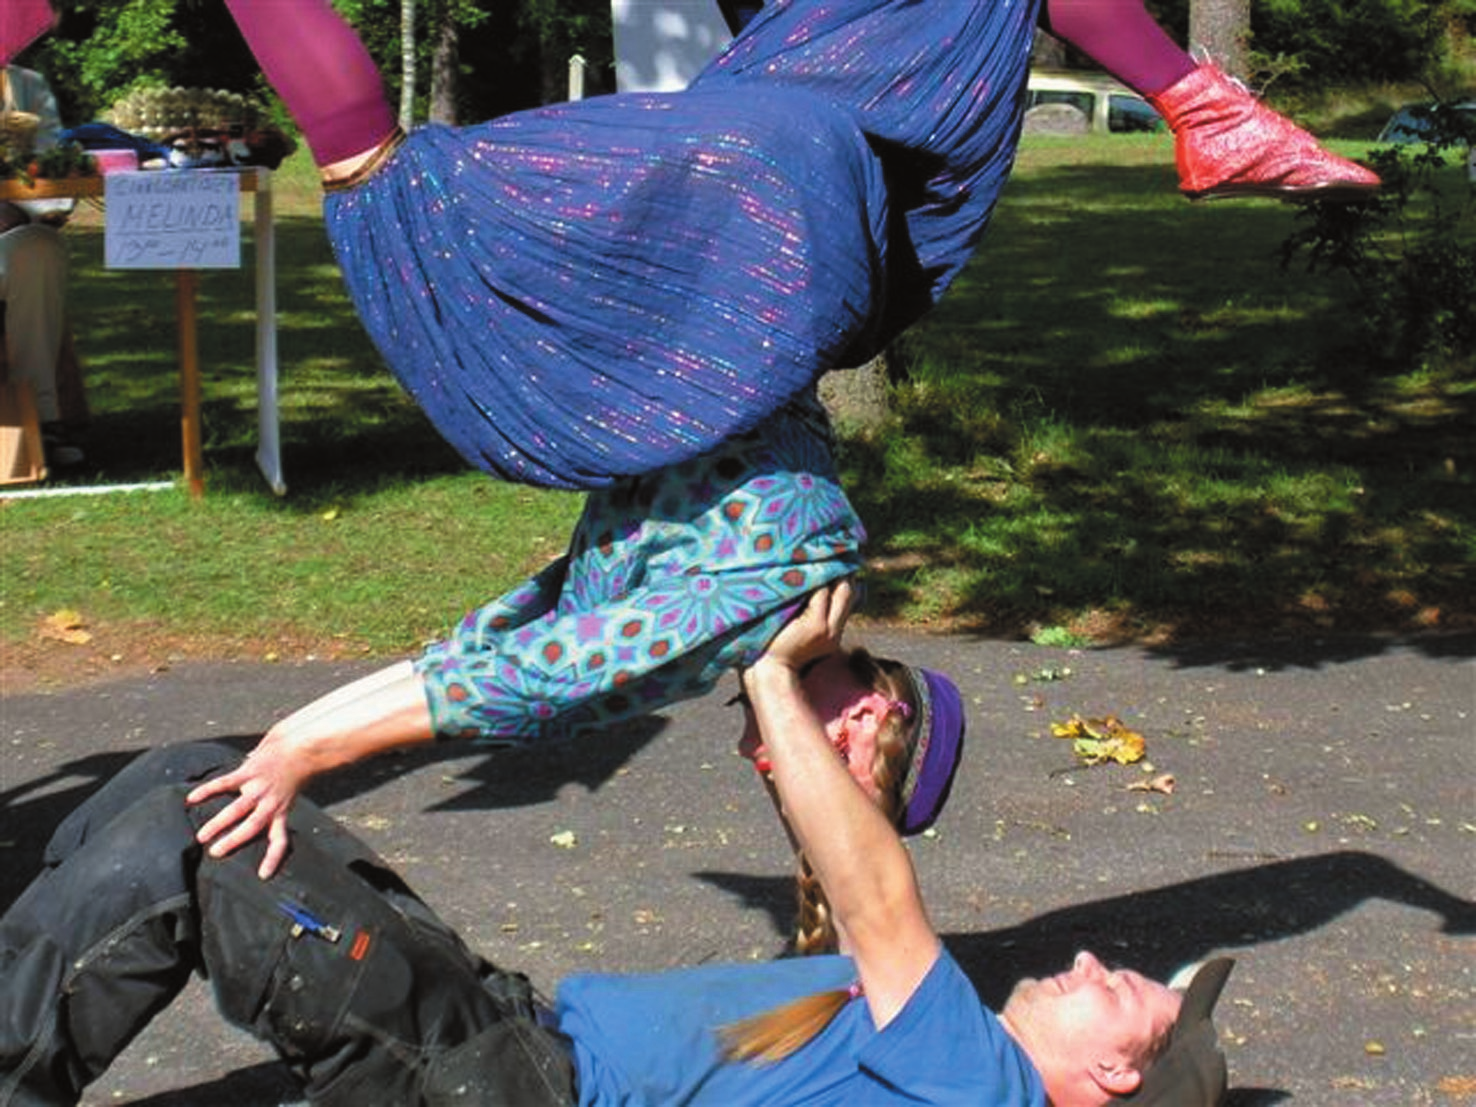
369	997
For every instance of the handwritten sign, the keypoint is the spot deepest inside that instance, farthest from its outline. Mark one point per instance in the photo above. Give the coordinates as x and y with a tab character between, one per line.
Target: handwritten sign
188	219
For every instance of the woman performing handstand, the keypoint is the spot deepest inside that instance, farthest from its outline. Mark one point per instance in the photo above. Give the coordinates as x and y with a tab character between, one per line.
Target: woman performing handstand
673	576
635	295
651	285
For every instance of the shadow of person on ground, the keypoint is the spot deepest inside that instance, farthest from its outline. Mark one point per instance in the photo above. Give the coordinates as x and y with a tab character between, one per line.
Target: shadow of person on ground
500	779
1160	930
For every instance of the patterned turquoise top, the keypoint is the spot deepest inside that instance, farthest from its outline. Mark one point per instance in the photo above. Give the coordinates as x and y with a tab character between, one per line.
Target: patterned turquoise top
671	578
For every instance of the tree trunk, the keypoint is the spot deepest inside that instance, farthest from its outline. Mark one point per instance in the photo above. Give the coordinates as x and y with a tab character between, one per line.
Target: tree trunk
444	69
1222	27
1048	52
407	64
857	398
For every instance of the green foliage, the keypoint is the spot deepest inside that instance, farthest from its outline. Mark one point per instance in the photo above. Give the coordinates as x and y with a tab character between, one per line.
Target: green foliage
65	159
1063	638
349	568
512	54
1122	416
1410	251
570	26
506	49
102	49
1353	41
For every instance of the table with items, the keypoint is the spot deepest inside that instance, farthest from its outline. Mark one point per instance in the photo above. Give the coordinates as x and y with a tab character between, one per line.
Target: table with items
255	180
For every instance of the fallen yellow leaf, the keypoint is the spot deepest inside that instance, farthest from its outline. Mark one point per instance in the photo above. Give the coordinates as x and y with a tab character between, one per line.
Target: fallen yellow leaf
1164	783
66	626
1104	739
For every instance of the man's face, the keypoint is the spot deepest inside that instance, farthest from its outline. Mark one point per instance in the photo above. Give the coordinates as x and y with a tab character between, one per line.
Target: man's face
1090	1010
834	693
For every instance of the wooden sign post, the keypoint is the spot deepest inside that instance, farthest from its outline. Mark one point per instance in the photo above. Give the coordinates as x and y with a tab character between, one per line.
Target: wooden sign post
184	221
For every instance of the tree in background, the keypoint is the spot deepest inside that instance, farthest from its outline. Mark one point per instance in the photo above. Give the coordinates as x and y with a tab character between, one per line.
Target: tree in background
445	69
102	49
1223	29
408	49
1319	44
472	58
475	59
1339	42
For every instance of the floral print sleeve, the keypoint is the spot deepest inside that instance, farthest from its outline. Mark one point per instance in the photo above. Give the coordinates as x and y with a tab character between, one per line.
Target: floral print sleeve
670	579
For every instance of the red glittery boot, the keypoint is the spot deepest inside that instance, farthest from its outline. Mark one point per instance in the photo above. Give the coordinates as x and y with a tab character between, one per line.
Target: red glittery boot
1228	143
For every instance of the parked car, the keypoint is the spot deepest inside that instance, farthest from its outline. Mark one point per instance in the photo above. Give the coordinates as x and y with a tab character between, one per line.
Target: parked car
1105	106
1414	122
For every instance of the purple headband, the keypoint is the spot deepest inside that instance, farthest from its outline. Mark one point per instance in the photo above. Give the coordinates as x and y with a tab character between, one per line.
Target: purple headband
937	751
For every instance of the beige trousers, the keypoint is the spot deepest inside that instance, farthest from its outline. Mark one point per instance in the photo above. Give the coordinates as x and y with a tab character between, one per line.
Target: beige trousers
33	285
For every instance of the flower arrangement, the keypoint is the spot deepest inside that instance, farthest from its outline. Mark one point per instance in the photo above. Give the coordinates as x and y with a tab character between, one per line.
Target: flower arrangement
67	159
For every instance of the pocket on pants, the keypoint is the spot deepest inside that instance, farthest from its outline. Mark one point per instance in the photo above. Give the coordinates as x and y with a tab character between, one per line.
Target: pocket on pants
512	1063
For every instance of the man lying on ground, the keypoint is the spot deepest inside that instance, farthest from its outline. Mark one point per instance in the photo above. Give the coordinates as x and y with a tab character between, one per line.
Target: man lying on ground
373	1000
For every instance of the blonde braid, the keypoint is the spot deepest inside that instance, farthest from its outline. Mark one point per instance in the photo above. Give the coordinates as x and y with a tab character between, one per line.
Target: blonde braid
774	1034
815	929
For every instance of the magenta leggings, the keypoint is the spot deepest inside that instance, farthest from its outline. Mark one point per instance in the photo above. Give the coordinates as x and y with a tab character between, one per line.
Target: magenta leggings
329	83
322	72
1123	39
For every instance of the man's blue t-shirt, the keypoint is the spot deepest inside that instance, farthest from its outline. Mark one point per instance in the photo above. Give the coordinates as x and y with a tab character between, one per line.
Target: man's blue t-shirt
650	1040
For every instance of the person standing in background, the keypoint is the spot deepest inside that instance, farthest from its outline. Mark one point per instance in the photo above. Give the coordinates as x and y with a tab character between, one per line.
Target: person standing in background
33	273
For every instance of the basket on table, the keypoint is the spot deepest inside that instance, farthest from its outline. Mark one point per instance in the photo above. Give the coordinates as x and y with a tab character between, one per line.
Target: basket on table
203	126
161	114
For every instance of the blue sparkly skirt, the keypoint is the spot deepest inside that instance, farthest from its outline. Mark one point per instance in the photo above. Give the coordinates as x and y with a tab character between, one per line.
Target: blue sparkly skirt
601	288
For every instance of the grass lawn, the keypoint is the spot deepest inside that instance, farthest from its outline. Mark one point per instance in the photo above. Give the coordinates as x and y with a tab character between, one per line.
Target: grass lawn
1125	419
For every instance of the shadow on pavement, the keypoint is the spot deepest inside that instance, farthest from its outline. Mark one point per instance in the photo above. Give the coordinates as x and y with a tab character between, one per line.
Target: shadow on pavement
1310	652
504	778
265	1085
1160	930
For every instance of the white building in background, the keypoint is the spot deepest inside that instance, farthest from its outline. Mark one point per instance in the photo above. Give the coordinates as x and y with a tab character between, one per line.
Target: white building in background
660	45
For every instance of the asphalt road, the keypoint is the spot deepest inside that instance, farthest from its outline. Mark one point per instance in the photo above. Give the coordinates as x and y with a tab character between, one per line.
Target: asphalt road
1322	830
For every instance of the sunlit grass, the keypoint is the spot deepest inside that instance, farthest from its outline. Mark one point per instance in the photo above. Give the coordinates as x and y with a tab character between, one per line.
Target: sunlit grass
1124	415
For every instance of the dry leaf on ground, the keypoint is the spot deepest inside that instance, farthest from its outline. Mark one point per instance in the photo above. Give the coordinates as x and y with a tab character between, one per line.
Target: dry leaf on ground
1163	782
1099	740
66	626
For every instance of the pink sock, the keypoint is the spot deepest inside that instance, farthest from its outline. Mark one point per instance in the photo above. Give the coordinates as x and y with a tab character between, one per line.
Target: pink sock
322	72
1123	39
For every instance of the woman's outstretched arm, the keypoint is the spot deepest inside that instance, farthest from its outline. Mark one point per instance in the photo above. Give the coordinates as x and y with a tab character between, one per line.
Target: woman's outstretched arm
383	711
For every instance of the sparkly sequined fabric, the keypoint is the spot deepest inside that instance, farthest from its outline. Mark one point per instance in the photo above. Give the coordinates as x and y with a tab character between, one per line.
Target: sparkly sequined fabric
603	288
1227	143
